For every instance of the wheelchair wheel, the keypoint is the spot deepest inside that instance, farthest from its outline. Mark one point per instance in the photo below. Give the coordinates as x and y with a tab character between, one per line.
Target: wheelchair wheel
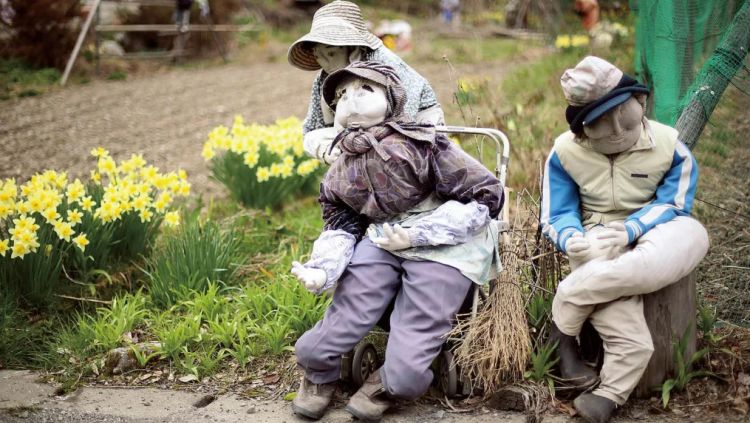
448	374
364	362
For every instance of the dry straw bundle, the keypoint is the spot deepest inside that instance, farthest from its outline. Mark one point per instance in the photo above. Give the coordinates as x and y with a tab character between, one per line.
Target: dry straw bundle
496	344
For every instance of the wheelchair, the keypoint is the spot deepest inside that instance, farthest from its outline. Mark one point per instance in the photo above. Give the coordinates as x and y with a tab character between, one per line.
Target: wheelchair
365	358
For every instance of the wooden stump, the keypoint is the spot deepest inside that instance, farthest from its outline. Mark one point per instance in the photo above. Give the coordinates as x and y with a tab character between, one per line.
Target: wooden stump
669	312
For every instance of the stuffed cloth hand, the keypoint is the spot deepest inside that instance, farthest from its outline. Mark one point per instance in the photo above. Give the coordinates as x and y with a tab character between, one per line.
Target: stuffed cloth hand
312	279
577	247
614	236
395	238
318	142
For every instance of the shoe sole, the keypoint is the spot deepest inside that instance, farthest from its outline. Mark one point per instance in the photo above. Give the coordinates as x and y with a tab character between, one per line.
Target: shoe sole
354	412
307	413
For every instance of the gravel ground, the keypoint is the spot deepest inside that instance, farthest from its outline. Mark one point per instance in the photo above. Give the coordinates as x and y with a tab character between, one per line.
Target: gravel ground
165	116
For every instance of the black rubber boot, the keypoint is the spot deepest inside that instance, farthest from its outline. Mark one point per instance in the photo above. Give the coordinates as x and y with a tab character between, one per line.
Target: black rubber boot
572	367
593	408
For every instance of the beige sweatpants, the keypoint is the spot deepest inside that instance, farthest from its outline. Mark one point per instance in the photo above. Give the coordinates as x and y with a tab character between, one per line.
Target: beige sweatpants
608	291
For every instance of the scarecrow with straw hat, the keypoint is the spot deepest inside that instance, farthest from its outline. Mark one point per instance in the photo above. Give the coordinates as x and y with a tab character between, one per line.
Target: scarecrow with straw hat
408	221
338	36
618	190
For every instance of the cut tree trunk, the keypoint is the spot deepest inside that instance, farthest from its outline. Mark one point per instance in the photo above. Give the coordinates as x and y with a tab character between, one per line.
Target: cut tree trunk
669	313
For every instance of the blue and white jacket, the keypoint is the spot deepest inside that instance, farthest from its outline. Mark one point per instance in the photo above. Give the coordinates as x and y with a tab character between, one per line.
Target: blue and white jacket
651	183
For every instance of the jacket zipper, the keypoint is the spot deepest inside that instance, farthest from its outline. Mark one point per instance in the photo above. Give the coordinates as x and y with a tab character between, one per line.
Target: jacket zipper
612	180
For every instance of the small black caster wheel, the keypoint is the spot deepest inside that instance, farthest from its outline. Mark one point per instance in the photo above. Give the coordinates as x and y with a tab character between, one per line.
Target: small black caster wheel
364	362
448	375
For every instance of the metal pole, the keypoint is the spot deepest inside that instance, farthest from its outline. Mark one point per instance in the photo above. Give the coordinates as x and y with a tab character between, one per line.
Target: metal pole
79	42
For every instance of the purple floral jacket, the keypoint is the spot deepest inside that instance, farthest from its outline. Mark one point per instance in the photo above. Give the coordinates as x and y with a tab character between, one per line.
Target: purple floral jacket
390	168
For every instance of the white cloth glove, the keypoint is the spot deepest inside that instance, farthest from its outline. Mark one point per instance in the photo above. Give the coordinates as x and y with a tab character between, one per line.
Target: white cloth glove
396	238
614	236
577	247
312	279
317	142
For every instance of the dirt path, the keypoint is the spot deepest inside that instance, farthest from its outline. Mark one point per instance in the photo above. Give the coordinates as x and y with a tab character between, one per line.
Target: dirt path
164	116
23	400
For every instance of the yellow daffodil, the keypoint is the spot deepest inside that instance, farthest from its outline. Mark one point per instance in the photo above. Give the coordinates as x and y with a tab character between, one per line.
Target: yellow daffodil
98	152
145	215
81	241
3	247
172	219
19	250
87	203
74	216
262	174
50	214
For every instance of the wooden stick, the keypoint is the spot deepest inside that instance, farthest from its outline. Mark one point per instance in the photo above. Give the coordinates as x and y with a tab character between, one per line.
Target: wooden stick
79	42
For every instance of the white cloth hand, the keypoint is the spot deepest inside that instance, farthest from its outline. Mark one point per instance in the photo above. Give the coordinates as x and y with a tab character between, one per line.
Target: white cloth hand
317	142
577	247
395	238
613	236
312	279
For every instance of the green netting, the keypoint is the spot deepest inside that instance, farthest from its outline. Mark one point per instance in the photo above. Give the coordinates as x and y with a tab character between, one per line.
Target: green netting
673	39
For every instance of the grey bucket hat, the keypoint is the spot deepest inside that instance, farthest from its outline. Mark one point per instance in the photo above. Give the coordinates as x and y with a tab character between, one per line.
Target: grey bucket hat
339	23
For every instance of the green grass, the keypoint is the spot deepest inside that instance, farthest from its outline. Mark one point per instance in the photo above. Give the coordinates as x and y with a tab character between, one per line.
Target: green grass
18	79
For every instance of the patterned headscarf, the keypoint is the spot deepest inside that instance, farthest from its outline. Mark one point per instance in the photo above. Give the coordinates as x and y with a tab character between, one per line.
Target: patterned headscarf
359	141
372	71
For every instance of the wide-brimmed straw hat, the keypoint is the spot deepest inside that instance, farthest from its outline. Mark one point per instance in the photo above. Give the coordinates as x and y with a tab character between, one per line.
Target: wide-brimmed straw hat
339	23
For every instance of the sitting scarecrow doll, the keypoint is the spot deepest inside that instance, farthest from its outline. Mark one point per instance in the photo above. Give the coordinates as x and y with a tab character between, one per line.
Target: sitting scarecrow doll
408	218
618	190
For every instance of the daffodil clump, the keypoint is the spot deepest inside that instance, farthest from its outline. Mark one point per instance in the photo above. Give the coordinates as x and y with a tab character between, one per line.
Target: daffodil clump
470	89
571	41
261	165
53	222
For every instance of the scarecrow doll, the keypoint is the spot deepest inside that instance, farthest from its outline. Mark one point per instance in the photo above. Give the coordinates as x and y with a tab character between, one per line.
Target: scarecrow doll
338	37
408	217
617	194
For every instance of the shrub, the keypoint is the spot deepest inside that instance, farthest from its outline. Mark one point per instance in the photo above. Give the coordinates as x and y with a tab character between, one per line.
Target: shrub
261	165
190	260
43	31
52	221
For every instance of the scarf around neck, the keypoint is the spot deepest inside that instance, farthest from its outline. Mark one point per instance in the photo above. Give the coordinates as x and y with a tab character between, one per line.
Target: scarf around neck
356	141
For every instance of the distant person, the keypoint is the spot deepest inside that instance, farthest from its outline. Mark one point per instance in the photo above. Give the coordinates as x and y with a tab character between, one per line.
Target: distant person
182	14
338	37
450	12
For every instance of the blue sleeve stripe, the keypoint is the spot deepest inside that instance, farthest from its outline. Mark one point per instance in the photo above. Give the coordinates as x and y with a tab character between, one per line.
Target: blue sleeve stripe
561	216
674	197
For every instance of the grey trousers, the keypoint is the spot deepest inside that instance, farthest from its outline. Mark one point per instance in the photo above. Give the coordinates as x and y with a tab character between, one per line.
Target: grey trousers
428	296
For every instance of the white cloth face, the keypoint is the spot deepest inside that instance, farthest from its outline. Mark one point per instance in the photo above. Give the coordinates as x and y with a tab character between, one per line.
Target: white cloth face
331	58
360	102
618	129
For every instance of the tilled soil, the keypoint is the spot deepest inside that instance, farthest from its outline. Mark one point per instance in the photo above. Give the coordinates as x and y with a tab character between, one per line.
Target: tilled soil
164	116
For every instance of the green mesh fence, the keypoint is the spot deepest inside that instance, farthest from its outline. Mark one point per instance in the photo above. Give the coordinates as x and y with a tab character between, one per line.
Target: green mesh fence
673	40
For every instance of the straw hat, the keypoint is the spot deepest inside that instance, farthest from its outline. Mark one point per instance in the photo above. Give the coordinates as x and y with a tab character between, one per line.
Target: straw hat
339	23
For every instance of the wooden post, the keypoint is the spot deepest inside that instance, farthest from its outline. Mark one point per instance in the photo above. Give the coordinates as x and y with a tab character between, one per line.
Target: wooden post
81	37
669	312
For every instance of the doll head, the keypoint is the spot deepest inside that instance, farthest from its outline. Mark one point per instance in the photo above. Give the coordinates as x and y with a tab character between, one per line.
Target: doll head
365	94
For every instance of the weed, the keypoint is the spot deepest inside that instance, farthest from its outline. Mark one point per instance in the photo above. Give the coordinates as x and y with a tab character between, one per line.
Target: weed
682	368
175	336
104	330
190	260
542	364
